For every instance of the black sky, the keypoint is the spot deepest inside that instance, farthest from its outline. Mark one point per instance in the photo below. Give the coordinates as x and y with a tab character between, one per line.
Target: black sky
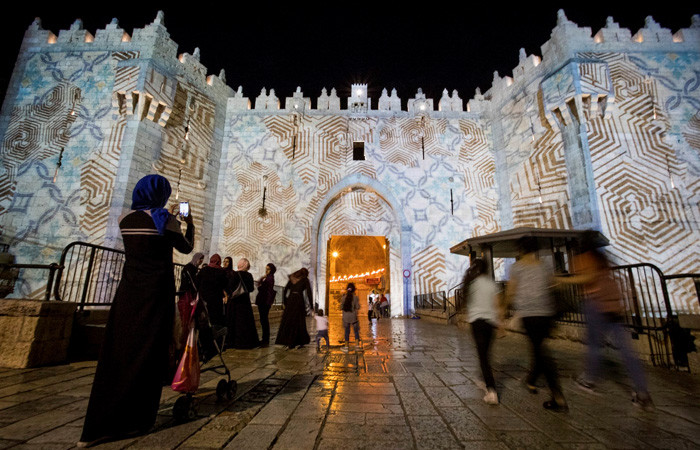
432	46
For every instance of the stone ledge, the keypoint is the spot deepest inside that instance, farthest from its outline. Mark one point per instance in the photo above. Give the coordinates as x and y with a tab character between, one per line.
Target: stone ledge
34	333
433	315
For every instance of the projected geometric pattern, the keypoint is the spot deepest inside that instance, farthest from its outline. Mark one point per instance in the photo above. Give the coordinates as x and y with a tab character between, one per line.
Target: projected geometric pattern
36	133
542	175
311	154
634	165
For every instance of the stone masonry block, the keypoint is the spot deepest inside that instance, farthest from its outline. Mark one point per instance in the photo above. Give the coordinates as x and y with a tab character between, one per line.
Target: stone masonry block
34	333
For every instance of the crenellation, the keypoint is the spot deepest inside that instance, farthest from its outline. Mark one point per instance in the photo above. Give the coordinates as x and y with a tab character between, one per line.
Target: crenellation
112	34
297	102
691	34
389	103
76	34
36	36
566	37
420	105
327	102
238	102
652	33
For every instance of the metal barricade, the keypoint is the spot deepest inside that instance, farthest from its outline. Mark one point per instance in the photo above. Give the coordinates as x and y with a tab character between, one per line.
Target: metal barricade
91	273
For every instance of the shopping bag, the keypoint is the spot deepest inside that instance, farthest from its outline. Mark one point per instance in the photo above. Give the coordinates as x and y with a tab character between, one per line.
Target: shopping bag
185	306
187	375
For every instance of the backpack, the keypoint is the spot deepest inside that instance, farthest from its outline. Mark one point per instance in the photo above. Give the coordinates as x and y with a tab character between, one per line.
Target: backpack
347	303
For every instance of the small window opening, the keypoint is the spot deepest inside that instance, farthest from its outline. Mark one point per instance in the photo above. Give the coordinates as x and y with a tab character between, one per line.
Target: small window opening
358	151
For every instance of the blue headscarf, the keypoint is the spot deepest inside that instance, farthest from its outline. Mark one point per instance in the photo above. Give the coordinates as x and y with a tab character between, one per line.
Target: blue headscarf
152	192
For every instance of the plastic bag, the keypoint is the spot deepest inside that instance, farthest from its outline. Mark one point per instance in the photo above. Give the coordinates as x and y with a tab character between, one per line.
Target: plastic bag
187	375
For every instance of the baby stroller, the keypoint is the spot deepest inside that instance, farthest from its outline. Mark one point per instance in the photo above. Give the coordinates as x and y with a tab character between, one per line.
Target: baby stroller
210	343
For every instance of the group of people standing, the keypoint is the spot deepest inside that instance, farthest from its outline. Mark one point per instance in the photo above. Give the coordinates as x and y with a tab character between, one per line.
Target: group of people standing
226	293
134	361
529	294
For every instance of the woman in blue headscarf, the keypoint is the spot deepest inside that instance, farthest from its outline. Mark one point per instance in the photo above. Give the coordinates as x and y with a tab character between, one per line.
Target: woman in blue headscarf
133	364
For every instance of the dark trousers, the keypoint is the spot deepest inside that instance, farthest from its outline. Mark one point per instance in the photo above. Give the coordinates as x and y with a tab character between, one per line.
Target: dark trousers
483	333
537	329
264	310
356	328
322	334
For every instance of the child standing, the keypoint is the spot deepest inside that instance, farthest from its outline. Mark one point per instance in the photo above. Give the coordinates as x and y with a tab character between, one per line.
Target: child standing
322	330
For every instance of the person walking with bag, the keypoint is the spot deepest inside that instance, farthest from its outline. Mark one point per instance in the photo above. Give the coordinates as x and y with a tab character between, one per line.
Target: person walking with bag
133	363
265	299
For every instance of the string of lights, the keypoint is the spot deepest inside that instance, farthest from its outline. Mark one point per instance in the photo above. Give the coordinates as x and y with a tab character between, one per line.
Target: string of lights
356	276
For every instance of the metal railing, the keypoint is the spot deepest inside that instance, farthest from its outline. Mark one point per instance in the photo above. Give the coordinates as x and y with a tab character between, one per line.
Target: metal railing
9	274
91	273
432	300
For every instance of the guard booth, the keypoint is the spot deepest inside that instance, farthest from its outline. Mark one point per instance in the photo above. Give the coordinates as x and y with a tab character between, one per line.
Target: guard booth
559	245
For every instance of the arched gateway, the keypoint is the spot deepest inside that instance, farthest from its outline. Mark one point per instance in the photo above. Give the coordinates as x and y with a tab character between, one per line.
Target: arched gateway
399	250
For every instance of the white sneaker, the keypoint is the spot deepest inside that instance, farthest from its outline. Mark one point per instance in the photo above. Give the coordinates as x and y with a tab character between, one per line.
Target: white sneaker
344	349
491	397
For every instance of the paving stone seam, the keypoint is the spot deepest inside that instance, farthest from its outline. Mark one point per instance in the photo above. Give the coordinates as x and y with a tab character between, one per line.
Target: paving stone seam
317	442
281	430
405	412
437	410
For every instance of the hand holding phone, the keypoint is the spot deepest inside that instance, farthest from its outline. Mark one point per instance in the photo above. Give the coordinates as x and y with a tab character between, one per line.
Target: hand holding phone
184	209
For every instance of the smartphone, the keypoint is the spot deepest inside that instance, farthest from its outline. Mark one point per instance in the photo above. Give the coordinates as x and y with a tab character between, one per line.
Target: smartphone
184	209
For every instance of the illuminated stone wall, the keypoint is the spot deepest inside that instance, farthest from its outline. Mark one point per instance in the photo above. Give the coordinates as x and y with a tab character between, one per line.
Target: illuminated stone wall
110	108
600	131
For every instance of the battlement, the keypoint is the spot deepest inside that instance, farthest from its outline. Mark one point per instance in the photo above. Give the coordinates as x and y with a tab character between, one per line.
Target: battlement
567	38
152	41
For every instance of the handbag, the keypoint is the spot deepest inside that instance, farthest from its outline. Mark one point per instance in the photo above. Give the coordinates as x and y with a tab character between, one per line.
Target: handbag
240	290
187	374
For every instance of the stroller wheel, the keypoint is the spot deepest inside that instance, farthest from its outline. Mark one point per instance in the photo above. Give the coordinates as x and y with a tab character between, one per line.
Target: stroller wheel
184	409
232	388
222	390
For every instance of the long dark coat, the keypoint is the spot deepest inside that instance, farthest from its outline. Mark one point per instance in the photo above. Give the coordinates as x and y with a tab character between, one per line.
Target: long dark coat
240	320
133	364
292	331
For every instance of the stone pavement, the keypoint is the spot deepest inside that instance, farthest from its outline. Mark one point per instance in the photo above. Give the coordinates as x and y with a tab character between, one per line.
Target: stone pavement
415	385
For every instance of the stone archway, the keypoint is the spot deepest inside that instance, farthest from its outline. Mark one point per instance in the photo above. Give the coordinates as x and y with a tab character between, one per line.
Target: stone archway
401	246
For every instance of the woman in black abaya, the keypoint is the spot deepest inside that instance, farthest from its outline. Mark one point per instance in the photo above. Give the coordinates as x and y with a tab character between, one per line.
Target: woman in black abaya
133	364
292	331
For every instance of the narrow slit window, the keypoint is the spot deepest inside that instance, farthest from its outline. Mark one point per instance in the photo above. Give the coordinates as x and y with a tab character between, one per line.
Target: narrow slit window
358	151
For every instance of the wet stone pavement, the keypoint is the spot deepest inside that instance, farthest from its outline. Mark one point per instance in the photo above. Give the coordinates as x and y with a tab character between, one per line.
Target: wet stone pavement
414	385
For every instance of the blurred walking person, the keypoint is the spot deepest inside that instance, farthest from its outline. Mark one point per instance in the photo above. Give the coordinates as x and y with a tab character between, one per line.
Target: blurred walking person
603	309
482	295
528	290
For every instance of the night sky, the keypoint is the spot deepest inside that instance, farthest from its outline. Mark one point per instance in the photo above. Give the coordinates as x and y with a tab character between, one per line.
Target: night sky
403	48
